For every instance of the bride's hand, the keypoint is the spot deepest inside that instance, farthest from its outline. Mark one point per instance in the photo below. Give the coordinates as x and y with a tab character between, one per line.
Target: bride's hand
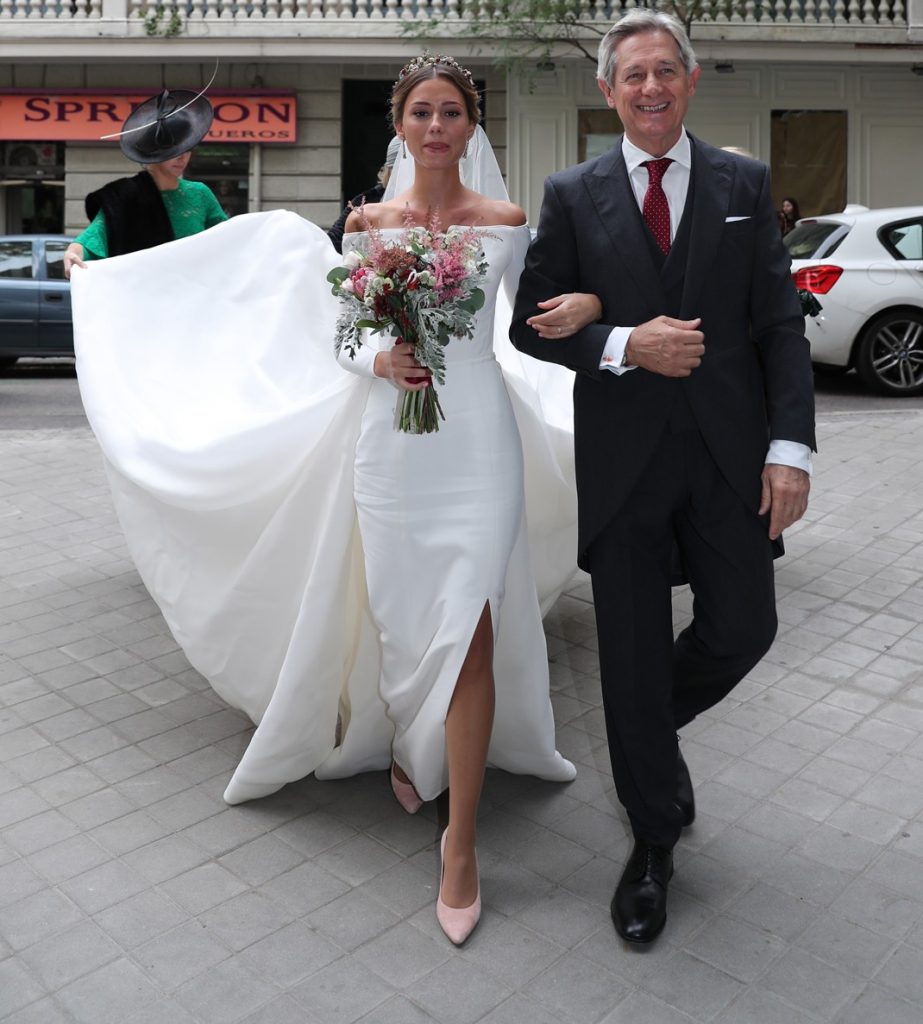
400	367
566	314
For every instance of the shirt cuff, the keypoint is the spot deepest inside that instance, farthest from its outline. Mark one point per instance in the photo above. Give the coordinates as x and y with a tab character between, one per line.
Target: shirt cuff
790	453
614	352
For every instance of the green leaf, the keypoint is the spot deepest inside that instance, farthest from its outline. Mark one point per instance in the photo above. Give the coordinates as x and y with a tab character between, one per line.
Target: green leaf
338	275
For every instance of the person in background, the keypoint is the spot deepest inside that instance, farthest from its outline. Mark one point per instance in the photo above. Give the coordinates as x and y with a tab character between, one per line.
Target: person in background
788	215
375	194
157	205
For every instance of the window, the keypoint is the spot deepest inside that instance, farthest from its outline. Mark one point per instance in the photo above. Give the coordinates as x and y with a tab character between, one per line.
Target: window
903	241
54	259
16	259
814	239
226	171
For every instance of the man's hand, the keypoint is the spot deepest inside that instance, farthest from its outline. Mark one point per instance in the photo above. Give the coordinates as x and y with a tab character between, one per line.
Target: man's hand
673	348
785	496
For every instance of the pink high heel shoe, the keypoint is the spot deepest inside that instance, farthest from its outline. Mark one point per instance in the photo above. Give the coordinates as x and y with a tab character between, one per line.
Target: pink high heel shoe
457	922
406	795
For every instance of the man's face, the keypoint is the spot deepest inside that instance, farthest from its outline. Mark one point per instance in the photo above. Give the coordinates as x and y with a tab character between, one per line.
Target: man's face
650	90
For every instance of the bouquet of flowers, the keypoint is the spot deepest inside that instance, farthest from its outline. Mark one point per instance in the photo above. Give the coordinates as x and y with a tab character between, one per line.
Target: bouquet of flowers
423	286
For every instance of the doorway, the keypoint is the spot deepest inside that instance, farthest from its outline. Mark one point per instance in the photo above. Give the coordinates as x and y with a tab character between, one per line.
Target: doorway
809	154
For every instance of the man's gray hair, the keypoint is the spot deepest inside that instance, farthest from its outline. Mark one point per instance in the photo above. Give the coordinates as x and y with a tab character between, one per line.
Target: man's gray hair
636	21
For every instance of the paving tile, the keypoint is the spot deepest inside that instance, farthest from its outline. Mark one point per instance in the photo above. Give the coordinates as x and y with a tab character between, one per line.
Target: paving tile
166	858
39	764
66	955
458	993
19	804
643	1008
261	859
283	1010
810	984
38	832
564	918
757	1006
398	1010
245	919
577	988
341	993
107	995
37	916
18	987
290	954
735	948
403	955
314	833
184	952
780	913
304	888
103	886
225	993
203	887
846	945
140	918
68	859
45	1011
353	919
161	1011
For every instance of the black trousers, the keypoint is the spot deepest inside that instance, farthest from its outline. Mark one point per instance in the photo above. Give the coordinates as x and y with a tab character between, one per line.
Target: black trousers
653	685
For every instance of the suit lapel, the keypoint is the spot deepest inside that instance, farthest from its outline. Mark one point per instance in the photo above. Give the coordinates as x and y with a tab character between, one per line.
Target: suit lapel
711	176
614	199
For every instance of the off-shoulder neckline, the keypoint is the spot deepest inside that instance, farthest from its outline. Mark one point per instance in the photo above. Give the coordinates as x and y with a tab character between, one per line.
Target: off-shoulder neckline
477	227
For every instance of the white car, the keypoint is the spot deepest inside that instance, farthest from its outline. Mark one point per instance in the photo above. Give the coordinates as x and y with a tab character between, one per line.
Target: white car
865	268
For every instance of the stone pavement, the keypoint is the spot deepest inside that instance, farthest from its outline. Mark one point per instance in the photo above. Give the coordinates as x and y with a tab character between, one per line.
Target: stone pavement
130	893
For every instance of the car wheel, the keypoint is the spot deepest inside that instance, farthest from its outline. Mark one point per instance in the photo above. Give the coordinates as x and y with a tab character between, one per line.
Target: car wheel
7	361
890	355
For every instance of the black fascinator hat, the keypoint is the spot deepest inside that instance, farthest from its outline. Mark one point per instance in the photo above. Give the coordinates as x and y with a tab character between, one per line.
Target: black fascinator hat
166	126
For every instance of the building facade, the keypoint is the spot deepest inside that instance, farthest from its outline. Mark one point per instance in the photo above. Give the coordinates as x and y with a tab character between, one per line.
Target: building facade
828	92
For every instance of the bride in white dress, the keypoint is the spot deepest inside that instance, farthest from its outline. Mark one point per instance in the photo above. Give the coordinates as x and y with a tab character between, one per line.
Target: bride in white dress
239	460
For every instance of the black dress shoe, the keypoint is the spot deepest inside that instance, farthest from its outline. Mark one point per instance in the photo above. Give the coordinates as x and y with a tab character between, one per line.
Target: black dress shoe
639	906
685	797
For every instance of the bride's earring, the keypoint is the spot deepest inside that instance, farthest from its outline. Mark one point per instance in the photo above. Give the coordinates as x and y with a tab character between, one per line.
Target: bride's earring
403	148
465	154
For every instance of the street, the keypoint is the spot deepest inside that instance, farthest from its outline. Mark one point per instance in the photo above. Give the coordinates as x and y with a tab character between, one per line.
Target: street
130	892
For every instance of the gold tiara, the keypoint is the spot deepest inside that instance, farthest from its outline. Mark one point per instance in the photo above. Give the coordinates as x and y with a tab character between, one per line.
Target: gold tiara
427	60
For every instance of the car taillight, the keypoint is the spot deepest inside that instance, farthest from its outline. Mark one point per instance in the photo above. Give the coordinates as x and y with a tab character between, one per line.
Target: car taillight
818	280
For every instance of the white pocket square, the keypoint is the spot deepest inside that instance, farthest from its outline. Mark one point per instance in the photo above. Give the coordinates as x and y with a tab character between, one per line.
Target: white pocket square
730	220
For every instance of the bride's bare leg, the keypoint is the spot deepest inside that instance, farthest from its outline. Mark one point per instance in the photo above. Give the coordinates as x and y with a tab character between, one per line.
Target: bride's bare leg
467	732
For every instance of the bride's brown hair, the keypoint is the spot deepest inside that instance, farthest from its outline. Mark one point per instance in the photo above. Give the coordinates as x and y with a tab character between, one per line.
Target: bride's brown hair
422	69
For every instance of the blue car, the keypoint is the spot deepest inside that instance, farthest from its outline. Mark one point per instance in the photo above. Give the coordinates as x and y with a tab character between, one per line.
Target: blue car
35	298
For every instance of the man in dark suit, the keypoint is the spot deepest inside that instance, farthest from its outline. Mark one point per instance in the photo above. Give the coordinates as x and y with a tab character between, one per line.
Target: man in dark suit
693	421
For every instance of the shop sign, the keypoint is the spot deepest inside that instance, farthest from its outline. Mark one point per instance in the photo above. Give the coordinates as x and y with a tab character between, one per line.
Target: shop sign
85	117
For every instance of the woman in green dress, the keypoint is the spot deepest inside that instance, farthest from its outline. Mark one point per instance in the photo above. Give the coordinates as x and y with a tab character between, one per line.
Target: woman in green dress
157	205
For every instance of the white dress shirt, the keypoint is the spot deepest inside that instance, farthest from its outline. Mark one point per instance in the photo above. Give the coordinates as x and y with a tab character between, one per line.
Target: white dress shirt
675	184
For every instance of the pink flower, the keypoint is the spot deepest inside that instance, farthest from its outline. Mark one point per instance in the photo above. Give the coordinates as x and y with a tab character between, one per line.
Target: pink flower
359	279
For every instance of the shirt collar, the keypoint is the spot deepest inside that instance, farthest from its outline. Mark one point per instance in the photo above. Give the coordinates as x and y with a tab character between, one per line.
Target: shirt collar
680	153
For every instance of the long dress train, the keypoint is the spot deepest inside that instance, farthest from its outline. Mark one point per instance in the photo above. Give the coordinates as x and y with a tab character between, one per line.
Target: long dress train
238	451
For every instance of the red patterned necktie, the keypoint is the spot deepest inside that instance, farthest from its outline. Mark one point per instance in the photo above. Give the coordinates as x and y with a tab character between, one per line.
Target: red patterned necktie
656	209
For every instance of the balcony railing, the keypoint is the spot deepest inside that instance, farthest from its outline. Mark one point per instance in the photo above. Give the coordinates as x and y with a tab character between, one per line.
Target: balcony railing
245	15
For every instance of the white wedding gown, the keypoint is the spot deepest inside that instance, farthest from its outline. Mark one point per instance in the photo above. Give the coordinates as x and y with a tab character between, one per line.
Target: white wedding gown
239	452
